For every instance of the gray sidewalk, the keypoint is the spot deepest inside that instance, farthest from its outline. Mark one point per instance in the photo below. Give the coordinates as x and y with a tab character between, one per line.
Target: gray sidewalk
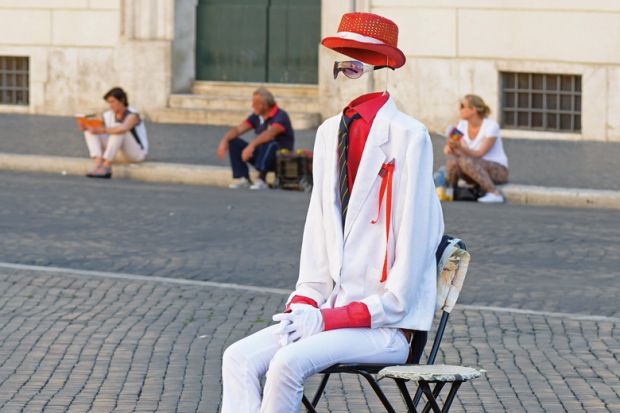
592	165
79	341
75	340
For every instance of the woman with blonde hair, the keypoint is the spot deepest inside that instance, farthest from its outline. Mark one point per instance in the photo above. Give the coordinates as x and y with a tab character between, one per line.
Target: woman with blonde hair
476	151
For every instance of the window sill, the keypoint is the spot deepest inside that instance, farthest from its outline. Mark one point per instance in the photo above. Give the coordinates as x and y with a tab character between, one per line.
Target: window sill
14	108
540	135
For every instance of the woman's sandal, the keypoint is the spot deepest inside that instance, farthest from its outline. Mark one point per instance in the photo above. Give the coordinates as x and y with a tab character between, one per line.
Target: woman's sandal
101	171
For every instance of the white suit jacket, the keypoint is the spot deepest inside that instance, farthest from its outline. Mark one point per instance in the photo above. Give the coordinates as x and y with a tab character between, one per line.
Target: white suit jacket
338	268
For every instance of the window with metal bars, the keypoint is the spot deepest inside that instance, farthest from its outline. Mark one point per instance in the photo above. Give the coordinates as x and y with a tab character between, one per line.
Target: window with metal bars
14	80
549	102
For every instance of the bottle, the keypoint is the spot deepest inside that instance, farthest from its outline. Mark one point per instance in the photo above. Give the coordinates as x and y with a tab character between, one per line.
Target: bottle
440	177
440	183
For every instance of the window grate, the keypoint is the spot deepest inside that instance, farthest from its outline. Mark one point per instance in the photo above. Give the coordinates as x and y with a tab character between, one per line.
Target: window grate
14	80
550	102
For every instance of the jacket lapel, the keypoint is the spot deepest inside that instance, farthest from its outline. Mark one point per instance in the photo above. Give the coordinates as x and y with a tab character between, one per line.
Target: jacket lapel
372	159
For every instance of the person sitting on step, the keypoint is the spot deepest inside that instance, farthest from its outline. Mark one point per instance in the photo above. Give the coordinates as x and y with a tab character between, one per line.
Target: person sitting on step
122	138
478	156
273	130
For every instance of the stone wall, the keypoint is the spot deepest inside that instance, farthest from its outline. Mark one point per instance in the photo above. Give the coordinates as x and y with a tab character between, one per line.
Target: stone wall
455	47
184	46
79	49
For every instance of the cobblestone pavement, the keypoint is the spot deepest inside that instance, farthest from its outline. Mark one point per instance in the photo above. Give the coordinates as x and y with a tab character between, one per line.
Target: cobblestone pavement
80	342
547	163
551	259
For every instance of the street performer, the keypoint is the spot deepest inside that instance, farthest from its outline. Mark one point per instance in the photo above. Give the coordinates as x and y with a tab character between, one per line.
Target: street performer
367	277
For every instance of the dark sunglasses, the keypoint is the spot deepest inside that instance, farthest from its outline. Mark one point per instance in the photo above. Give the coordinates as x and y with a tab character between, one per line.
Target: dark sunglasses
354	69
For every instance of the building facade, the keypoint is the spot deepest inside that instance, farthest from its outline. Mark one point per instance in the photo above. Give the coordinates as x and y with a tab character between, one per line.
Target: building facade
73	51
549	69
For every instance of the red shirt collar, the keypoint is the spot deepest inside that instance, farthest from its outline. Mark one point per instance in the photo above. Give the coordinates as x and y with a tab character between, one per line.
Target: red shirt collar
368	105
272	112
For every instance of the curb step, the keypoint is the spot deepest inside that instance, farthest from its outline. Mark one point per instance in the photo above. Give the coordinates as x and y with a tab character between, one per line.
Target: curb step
228	104
289	104
220	176
225	117
279	90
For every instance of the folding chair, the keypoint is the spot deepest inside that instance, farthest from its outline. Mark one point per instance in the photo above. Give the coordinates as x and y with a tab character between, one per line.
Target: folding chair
424	375
452	263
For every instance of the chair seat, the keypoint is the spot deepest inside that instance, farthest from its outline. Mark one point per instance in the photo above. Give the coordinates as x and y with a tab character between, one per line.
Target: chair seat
371	368
431	373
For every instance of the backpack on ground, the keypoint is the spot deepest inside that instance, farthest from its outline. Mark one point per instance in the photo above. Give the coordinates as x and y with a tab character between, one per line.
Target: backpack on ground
294	169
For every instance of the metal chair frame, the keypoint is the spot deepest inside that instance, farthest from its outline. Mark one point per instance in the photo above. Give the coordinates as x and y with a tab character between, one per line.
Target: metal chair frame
369	370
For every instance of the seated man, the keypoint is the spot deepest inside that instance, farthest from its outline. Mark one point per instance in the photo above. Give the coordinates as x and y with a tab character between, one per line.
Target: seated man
273	131
122	138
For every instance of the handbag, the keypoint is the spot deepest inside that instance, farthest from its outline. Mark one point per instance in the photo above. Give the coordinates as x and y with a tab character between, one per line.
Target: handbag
467	193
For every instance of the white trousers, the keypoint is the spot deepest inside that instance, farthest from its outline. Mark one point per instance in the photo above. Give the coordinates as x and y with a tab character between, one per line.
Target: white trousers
286	368
119	148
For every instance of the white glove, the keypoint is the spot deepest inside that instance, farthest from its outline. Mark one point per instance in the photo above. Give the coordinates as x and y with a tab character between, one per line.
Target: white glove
283	333
305	321
282	330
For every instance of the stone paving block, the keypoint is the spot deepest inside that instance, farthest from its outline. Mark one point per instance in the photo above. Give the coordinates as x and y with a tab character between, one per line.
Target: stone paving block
156	362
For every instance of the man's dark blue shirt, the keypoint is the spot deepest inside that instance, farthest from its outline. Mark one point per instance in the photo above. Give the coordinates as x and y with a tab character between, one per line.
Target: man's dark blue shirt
279	119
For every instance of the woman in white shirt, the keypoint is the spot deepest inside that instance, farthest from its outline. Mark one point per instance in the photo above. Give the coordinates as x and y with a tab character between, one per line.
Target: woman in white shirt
478	157
122	138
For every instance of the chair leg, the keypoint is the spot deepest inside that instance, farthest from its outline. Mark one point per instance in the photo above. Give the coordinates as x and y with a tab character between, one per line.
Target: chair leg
451	395
436	392
319	391
309	407
375	386
430	398
418	396
404	391
423	388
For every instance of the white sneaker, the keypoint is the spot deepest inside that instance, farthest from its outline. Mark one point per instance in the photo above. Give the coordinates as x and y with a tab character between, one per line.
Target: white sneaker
491	198
240	183
259	184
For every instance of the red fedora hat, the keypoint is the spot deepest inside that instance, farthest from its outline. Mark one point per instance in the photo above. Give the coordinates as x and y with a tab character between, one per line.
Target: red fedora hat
368	38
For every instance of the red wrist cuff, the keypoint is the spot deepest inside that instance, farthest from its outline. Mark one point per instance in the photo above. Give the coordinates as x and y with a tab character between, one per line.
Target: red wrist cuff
353	315
300	299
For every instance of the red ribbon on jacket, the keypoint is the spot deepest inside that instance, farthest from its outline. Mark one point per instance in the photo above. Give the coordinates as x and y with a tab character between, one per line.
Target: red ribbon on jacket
386	173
